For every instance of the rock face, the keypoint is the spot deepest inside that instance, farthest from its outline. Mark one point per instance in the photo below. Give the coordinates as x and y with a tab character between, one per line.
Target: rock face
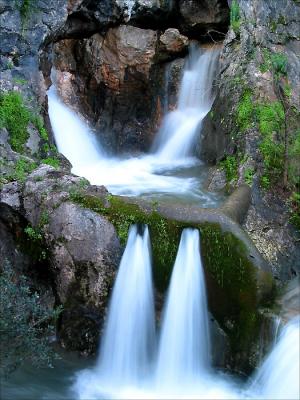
251	84
198	16
82	248
104	72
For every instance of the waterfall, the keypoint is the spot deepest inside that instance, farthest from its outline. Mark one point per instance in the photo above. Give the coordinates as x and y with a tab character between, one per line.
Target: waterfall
73	137
127	346
131	366
128	340
161	172
278	377
180	128
184	345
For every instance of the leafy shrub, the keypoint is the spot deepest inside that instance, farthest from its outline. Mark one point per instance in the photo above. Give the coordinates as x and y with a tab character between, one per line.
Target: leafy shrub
279	64
230	165
15	117
248	175
25	324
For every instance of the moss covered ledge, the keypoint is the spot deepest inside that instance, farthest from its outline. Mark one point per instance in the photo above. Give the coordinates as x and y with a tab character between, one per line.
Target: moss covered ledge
238	278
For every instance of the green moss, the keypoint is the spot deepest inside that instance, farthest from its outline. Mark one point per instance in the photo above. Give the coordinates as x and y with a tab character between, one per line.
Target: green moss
15	117
276	62
230	272
245	110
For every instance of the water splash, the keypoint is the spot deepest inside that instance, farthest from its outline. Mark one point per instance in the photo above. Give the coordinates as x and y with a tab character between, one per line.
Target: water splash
278	377
157	173
179	132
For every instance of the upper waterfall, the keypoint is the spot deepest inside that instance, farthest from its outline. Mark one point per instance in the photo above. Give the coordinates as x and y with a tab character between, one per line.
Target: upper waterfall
180	128
169	170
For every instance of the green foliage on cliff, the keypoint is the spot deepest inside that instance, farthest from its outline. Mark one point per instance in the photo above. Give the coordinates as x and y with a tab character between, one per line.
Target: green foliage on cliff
270	117
23	167
230	165
235	18
245	110
15	117
25	324
276	62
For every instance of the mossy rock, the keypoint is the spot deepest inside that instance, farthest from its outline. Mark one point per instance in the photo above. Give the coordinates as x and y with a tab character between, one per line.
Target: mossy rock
238	279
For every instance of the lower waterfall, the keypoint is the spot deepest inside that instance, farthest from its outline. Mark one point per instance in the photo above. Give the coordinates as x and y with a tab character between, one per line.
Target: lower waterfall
131	365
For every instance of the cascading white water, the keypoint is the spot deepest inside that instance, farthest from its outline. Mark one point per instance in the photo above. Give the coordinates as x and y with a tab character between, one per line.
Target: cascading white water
128	341
128	366
176	138
278	377
155	173
184	348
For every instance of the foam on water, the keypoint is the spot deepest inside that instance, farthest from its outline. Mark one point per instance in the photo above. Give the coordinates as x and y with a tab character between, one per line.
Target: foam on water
156	172
130	365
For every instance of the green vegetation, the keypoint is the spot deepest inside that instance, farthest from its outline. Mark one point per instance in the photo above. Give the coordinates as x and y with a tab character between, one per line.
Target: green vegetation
279	64
26	8
275	62
230	165
235	18
294	203
270	118
23	167
25	324
15	117
245	110
34	243
230	270
20	81
249	175
54	162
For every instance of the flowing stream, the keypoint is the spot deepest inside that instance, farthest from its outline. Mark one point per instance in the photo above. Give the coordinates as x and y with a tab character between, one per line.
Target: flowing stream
136	358
136	361
169	171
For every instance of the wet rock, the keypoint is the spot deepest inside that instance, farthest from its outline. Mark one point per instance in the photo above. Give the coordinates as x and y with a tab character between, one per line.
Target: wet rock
290	300
83	247
198	16
265	29
110	70
173	41
34	140
173	75
216	179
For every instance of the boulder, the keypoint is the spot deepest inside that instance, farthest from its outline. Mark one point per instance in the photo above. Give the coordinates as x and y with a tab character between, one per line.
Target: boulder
80	247
173	41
